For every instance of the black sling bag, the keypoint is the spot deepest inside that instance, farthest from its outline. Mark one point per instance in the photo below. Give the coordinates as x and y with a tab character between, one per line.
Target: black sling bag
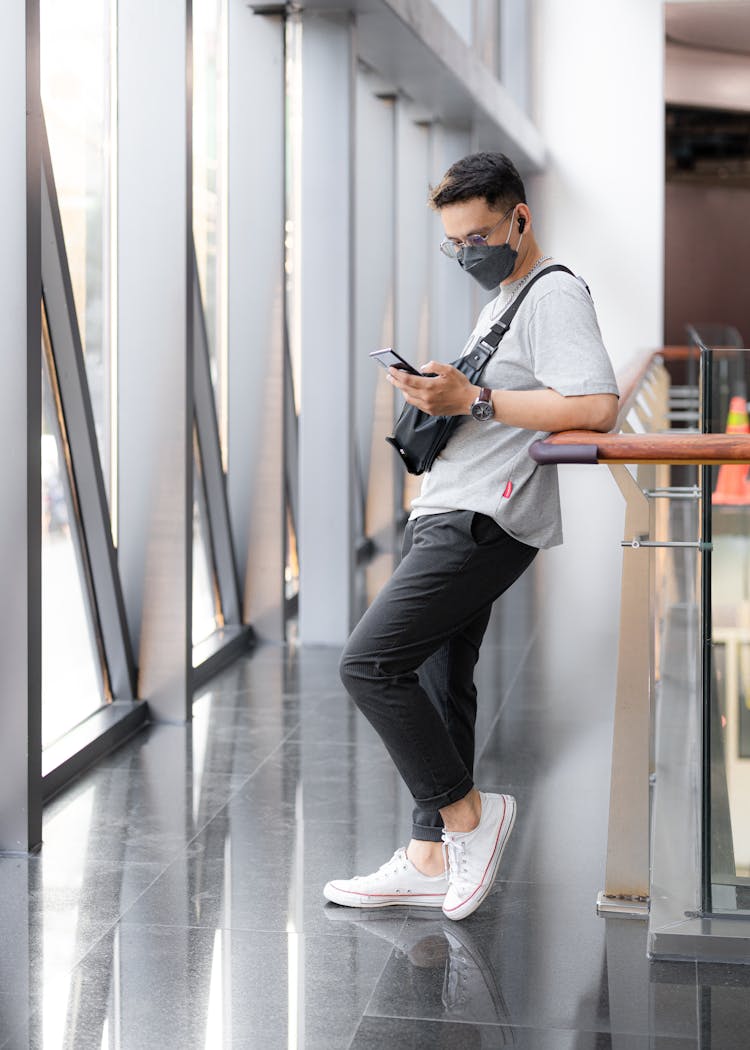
420	438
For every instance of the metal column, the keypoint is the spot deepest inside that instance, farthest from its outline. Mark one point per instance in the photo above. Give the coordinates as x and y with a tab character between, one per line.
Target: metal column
325	331
374	304
20	431
454	309
255	480
416	247
514	48
155	347
416	253
626	889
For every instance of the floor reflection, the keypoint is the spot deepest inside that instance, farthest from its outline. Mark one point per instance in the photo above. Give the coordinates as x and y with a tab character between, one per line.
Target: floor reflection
436	962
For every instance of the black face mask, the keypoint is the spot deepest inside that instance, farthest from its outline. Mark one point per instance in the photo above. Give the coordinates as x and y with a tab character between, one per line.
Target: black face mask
489	266
492	264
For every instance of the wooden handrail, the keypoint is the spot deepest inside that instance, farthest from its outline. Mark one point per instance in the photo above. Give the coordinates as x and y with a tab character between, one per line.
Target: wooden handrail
679	353
675	447
588	446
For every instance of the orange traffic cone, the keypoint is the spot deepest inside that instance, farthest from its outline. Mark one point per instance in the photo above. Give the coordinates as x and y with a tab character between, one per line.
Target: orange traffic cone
732	487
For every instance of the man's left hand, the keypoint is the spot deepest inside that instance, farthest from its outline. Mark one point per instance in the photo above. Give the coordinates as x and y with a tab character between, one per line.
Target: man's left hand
447	393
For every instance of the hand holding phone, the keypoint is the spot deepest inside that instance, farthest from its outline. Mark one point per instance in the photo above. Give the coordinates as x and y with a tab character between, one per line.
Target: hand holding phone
388	358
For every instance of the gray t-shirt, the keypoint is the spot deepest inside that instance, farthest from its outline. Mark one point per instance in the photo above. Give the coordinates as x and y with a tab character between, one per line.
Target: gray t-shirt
554	341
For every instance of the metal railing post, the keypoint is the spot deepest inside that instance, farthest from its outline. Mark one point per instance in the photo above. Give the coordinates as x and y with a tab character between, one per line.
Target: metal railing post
626	888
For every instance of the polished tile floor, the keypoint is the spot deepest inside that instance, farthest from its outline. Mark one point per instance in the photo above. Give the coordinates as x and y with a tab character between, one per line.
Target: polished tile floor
177	900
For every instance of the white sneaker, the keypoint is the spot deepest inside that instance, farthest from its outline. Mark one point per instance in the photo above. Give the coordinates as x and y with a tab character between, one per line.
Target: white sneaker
396	882
474	856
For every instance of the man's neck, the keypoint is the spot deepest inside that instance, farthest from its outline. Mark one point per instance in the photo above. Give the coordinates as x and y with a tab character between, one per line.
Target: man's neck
527	260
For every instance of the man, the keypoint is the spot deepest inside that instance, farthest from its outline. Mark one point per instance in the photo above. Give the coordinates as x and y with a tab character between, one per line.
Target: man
484	510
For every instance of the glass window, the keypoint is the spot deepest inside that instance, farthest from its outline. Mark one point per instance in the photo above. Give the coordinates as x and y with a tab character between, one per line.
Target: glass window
204	611
205	590
210	163
293	293
72	683
77	79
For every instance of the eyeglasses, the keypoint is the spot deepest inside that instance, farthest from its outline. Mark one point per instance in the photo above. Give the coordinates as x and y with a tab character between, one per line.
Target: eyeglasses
451	248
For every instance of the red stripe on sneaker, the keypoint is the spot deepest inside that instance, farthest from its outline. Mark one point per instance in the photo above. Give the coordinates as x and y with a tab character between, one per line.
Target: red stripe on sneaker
462	903
359	893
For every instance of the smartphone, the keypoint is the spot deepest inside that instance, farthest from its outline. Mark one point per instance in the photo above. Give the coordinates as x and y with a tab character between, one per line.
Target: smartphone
389	358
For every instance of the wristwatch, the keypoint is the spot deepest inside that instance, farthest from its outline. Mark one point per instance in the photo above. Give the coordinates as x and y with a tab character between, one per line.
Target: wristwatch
482	407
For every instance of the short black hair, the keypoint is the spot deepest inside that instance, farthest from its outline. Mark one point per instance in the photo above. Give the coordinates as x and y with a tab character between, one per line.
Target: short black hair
492	176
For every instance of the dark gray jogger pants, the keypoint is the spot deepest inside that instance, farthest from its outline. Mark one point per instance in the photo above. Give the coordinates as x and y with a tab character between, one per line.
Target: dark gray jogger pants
409	663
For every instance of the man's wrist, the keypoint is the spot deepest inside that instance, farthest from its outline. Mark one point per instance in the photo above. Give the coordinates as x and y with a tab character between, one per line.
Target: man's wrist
482	407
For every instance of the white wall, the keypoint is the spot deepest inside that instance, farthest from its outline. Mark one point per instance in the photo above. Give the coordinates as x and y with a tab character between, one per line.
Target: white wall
597	98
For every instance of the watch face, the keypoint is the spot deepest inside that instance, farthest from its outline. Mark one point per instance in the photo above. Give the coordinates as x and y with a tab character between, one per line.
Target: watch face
482	410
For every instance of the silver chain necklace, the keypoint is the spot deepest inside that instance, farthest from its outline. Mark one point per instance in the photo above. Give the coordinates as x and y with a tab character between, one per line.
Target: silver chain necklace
522	281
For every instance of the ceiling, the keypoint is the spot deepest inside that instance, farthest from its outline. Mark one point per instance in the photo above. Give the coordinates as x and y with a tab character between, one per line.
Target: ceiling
717	25
707	82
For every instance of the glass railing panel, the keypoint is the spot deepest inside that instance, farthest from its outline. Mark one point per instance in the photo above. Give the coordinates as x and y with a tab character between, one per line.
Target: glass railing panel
727	714
675	518
660	618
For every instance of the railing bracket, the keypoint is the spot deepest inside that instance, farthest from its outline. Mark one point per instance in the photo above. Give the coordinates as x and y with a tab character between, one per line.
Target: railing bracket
622	907
637	542
676	492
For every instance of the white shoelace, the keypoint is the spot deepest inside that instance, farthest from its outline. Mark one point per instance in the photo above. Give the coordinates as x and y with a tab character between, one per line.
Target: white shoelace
398	860
454	853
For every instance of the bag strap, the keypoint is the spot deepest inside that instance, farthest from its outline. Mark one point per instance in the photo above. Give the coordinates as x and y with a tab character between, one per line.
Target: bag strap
481	353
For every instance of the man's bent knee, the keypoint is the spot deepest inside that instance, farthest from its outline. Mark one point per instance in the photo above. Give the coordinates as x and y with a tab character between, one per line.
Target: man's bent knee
358	673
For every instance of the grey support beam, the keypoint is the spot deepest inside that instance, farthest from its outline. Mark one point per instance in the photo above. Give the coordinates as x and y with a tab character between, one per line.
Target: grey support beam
20	431
515	51
212	477
417	239
326	539
155	347
255	480
454	307
374	302
416	253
